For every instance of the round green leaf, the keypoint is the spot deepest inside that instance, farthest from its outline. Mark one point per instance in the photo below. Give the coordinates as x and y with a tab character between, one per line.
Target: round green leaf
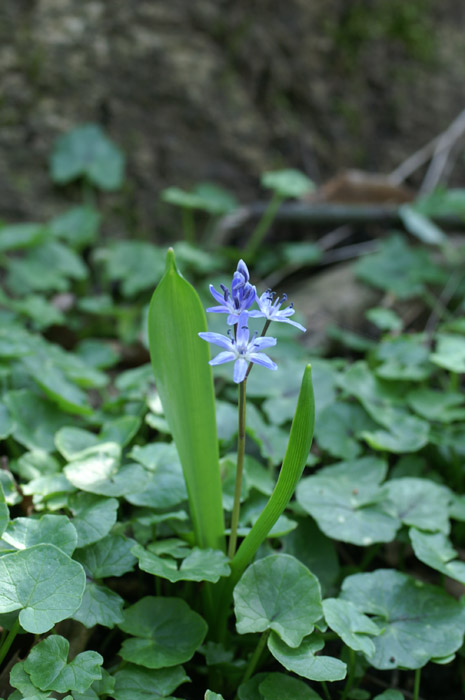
278	593
304	660
420	502
4	512
49	529
199	565
110	556
165	486
348	502
48	667
36	419
445	407
100	606
87	151
450	352
354	628
417	621
166	632
6	422
288	183
101	473
436	551
338	426
93	516
136	683
42	582
21	680
278	686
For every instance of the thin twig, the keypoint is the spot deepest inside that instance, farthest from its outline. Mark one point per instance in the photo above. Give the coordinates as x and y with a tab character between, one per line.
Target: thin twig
441	154
413	162
349	252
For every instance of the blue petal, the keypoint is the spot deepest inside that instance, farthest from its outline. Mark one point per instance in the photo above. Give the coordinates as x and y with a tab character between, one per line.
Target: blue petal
218	310
262	359
293	323
266	342
217	339
243	329
240	369
222	358
216	295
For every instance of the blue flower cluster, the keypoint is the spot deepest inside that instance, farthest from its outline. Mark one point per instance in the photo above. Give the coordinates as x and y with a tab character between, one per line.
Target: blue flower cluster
240	348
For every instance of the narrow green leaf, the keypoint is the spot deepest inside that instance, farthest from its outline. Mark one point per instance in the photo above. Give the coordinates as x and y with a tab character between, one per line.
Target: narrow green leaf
185	384
300	441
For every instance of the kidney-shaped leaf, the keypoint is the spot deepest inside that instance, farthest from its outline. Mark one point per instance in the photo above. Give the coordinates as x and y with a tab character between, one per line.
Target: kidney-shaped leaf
418	622
43	583
354	628
304	660
166	632
49	529
136	683
435	550
100	606
278	593
199	565
420	502
48	667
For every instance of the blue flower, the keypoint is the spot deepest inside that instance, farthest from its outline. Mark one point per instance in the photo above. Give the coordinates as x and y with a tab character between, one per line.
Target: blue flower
240	299
270	308
241	350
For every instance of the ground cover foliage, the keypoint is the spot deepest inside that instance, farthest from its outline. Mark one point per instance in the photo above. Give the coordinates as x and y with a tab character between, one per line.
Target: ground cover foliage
105	588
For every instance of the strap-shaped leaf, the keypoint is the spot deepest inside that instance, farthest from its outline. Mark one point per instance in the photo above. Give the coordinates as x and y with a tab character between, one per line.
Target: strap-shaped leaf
185	384
300	441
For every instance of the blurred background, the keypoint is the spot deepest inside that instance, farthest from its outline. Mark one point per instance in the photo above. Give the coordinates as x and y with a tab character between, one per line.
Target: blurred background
220	91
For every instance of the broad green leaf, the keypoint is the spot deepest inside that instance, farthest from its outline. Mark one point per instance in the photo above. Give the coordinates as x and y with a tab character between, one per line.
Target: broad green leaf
349	503
184	382
298	448
100	354
165	632
50	486
399	268
55	385
385	319
278	686
32	465
320	558
36	419
4	512
250	689
101	473
48	667
287	183
445	407
165	486
436	551
304	660
93	516
103	687
136	683
42	313
49	529
43	583
216	200
199	565
87	152
10	488
271	439
417	621
74	443
404	433
19	236
6	422
137	265
403	358
48	267
450	352
21	680
77	226
420	502
421	226
110	556
181	198
100	606
338	426
278	593
390	695
354	628
120	430
210	695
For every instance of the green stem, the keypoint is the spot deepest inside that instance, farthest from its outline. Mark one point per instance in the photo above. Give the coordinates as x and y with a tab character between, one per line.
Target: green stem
350	677
416	684
325	690
239	470
188	225
4	649
255	658
263	225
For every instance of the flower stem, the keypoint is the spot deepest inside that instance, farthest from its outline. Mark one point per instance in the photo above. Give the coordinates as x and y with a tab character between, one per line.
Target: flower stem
188	225
4	649
416	684
239	470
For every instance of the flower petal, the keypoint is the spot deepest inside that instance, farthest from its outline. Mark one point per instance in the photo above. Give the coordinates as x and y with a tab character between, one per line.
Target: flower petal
293	323
262	359
240	369
218	309
217	339
216	295
222	358
242	329
264	342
